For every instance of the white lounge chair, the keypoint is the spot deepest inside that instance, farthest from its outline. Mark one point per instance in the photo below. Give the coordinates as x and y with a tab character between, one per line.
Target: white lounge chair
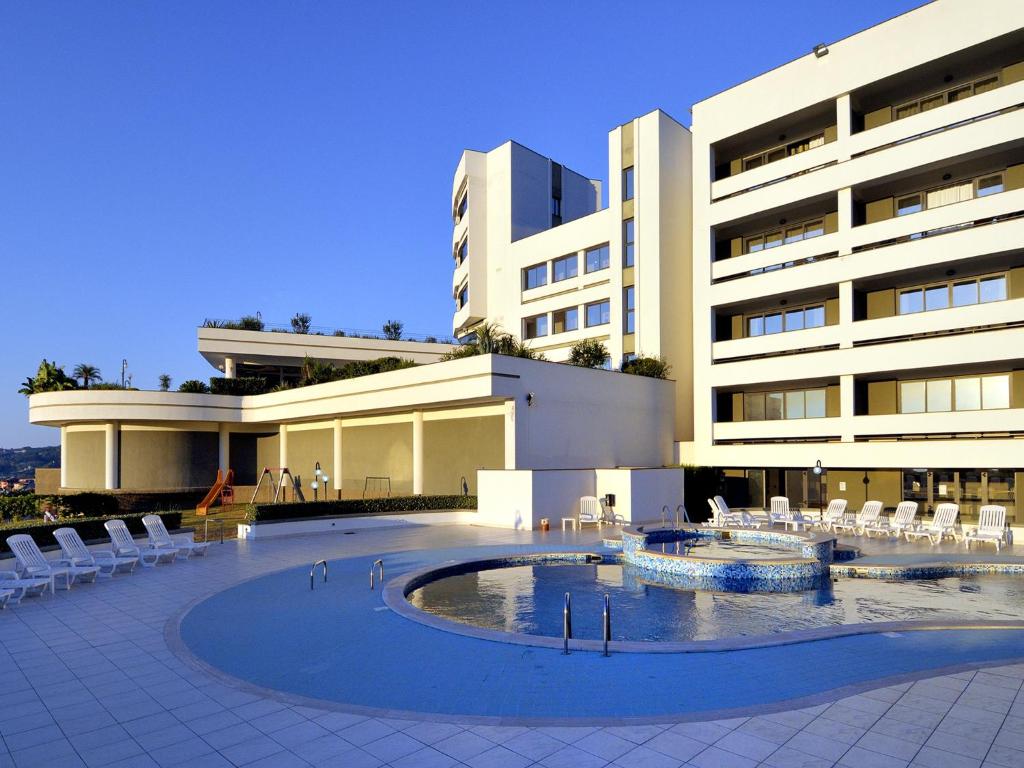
22	587
33	563
76	553
741	519
590	512
942	524
159	538
721	517
5	595
835	512
991	527
902	520
124	546
854	524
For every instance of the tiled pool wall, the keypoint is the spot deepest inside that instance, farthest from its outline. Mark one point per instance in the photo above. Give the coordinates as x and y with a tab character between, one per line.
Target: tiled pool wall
924	570
812	563
504	561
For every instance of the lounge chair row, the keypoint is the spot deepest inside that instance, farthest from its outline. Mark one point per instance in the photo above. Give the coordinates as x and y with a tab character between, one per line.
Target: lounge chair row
871	522
35	572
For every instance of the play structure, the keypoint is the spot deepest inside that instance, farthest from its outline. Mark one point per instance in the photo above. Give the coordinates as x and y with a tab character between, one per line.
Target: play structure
277	485
376	487
222	490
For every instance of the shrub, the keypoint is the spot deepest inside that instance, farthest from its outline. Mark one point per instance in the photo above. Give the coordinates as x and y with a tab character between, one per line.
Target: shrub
654	367
165	382
49	377
89	528
86	504
110	385
19	505
393	330
194	386
257	513
588	353
488	339
301	322
245	323
244	385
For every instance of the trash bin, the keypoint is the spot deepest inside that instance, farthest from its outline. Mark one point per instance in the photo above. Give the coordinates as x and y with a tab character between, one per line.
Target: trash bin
545	524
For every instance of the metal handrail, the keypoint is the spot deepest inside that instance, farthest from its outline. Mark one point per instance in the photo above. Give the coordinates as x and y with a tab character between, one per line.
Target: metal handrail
206	528
375	564
566	624
313	571
664	515
606	622
686	516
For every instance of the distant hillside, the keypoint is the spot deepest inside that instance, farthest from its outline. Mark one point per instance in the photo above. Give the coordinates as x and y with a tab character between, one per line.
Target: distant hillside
22	462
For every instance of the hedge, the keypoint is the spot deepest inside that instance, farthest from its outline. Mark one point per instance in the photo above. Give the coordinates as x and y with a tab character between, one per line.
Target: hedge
66	505
262	513
244	385
88	528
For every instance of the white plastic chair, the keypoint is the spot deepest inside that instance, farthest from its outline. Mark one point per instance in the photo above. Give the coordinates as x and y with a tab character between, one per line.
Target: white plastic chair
778	510
942	524
835	512
159	538
33	563
902	520
590	511
76	553
854	524
21	587
991	527
5	596
124	546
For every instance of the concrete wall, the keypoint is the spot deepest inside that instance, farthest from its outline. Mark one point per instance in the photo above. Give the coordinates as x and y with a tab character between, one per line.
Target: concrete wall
47	480
454	448
305	448
379	450
166	459
85	459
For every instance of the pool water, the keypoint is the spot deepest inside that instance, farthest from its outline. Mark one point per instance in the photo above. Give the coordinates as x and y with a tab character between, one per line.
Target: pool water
714	548
529	600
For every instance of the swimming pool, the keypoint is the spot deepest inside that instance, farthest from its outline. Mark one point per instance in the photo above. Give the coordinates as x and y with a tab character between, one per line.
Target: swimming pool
528	599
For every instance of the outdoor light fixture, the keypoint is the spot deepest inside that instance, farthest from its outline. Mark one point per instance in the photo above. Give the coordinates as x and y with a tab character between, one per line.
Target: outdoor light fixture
314	485
530	397
820	50
325	480
817	469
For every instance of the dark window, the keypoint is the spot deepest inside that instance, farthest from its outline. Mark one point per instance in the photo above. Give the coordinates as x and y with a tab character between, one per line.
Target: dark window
628	301
564	268
597	258
598	313
534	277
627	243
627	183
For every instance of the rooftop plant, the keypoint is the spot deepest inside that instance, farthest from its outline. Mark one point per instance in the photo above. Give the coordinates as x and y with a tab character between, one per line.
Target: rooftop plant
588	353
49	378
87	374
654	367
490	338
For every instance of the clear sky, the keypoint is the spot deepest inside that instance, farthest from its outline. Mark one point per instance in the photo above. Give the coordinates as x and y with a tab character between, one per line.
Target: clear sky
165	162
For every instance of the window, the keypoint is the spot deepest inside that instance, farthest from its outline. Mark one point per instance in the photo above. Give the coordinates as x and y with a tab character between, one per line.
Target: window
908	204
940	395
911	301
957	192
463	252
783	151
959	293
965	294
461	208
795	319
963	393
627	183
598	313
968	394
990	185
773	239
814	317
597	258
565	320
755	326
956	93
753	406
535	276
791	234
628	301
564	268
535	327
993	289
794	405
912	397
773	323
627	243
556	206
814	406
463	297
936	297
774	406
995	391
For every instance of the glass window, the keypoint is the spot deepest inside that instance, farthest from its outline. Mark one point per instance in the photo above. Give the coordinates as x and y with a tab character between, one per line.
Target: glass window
755	326
794	405
774	154
911	397
463	206
931	102
463	252
773	239
753	162
535	276
564	268
990	185
793	234
965	293
565	320
597	258
906	110
627	243
773	405
773	323
755	244
598	313
936	297
753	406
814	229
536	327
814	317
958	94
986	84
556	206
627	183
795	320
940	395
464	296
911	301
995	391
993	289
815	404
628	299
908	204
968	394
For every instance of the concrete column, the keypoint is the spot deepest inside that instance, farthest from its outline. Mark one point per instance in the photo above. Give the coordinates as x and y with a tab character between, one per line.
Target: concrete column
843	126
223	448
846	314
337	457
229	367
112	461
846	403
282	447
417	453
63	457
510	434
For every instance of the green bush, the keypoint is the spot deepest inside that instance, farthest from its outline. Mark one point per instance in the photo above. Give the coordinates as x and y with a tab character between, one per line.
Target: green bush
261	513
244	385
654	367
89	528
194	386
29	505
588	353
19	505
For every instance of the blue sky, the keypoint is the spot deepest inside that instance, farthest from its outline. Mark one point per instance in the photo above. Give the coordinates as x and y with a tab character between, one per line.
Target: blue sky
161	163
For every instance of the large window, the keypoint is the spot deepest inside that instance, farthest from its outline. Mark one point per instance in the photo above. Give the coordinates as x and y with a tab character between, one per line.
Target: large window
598	313
463	252
535	327
597	258
627	243
955	192
535	276
463	299
629	304
956	93
564	320
774	406
963	393
783	235
795	319
460	209
783	151
954	293
564	268
627	183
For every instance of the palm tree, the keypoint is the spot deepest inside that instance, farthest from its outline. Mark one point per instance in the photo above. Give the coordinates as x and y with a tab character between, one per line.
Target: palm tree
49	378
87	374
165	382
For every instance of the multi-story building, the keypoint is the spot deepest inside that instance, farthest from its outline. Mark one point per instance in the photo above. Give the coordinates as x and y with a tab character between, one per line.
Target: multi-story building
537	254
858	266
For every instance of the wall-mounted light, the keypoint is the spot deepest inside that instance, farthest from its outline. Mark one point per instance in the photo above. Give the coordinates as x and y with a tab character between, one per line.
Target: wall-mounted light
947	176
947	79
950	272
530	397
783	221
784	302
820	50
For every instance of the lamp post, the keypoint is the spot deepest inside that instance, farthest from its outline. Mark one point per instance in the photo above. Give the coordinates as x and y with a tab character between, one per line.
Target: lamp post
325	480
314	485
818	470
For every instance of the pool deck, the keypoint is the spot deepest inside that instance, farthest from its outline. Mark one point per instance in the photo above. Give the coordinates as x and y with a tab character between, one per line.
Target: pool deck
91	679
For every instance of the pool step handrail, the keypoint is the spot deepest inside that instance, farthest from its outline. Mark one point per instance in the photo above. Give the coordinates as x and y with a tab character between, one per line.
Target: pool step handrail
566	624
606	622
377	563
312	571
664	515
685	516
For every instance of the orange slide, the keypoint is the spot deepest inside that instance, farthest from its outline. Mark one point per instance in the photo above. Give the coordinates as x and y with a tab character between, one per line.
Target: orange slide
221	490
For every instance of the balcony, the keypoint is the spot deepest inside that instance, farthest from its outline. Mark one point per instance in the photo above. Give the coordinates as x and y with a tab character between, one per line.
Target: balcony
941	321
826	428
777	343
792	252
772	173
949	423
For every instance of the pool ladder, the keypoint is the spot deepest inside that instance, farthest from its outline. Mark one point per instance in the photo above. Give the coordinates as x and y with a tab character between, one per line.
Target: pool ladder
680	516
606	624
377	563
312	572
